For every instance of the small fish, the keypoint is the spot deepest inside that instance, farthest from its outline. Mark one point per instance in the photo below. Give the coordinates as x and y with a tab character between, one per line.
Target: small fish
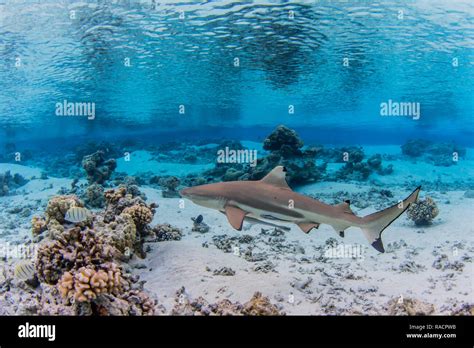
199	219
77	214
24	270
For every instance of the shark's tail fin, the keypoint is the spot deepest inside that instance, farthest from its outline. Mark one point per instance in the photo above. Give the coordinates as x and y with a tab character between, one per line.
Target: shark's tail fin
374	224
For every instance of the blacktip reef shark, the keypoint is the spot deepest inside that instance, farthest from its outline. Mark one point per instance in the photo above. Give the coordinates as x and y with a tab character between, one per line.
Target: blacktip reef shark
272	199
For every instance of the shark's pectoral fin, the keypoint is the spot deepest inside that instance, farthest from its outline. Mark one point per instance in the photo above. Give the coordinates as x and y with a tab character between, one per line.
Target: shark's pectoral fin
235	216
307	226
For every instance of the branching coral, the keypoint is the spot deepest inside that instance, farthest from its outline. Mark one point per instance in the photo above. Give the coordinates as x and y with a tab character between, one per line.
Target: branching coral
423	212
87	283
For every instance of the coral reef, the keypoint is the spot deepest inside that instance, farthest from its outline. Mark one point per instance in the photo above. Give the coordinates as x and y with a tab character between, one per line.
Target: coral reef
8	182
98	169
423	212
439	154
165	232
81	264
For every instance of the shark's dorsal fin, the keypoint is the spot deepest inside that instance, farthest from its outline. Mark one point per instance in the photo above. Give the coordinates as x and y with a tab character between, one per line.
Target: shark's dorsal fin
307	226
235	216
277	177
345	207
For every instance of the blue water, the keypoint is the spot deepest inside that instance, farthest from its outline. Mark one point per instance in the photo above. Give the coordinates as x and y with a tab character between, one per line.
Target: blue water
237	67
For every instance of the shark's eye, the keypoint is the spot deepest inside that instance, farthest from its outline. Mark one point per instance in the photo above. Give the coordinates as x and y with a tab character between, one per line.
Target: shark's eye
284	169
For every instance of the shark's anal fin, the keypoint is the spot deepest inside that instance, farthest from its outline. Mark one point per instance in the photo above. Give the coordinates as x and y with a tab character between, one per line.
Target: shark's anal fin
307	226
235	216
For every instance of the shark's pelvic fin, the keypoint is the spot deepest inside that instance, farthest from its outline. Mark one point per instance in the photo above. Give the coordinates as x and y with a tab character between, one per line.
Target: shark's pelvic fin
374	224
307	226
235	216
277	177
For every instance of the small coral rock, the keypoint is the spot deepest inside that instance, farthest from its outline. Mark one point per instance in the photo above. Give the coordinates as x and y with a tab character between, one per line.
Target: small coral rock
166	232
409	306
423	212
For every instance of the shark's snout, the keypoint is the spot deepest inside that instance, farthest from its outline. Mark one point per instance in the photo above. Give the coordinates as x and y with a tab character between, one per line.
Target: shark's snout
186	192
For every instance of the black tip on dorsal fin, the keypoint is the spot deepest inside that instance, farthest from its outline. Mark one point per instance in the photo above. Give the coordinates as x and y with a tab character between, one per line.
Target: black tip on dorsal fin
348	201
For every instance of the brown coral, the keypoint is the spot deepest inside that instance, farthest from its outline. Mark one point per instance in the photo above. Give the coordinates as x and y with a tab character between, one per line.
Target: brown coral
87	283
141	215
120	233
260	305
73	249
38	225
119	199
59	205
113	196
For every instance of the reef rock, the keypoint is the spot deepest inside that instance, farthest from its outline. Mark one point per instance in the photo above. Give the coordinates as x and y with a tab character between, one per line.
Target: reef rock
8	182
285	141
94	196
98	169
